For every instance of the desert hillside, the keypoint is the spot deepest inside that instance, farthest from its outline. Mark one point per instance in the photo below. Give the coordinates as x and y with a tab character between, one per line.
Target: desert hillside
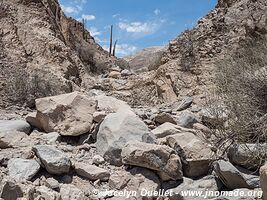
182	122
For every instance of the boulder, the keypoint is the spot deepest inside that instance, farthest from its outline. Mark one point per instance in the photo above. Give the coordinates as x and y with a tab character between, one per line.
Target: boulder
70	192
164	117
167	129
110	104
126	72
116	130
54	160
247	155
207	183
156	157
136	179
232	178
92	172
15	125
187	119
11	138
10	190
22	169
196	155
68	114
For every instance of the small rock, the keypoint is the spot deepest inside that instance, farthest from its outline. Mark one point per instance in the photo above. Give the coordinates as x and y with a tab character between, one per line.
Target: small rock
10	190
22	169
11	138
184	104
156	157
54	160
98	160
91	172
43	192
52	137
33	121
126	72
15	125
187	119
164	117
99	116
114	74
52	183
70	192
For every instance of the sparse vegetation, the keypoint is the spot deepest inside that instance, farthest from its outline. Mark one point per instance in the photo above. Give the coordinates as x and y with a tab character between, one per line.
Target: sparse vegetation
241	84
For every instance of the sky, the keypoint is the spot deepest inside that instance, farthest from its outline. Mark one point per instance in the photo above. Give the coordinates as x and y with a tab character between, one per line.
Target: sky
137	24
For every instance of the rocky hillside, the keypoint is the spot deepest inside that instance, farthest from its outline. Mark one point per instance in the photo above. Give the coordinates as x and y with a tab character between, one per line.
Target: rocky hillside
44	50
147	59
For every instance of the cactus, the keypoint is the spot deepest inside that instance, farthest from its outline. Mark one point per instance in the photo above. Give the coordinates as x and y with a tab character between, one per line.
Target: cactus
114	48
110	45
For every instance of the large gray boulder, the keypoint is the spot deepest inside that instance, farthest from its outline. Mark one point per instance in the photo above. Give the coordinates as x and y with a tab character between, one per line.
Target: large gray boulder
156	157
196	155
54	160
232	178
11	138
116	130
187	119
250	156
22	169
15	125
68	114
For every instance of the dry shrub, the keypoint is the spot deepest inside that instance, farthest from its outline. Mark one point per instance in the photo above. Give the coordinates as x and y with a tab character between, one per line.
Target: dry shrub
23	88
241	86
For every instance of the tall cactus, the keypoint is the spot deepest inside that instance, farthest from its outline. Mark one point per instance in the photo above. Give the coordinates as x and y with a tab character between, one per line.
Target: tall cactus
111	35
83	22
114	48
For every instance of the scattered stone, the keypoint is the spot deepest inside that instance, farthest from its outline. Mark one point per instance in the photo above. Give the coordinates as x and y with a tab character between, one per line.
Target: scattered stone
114	74
136	179
22	169
194	153
164	117
156	157
91	172
167	129
184	104
70	192
43	192
232	178
15	125
52	183
10	190
126	72
52	137
212	118
204	129
208	183
99	116
11	138
98	160
68	114
116	130
247	155
54	160
187	119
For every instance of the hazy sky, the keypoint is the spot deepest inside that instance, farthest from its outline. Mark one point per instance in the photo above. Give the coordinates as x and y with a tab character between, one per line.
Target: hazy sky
137	23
